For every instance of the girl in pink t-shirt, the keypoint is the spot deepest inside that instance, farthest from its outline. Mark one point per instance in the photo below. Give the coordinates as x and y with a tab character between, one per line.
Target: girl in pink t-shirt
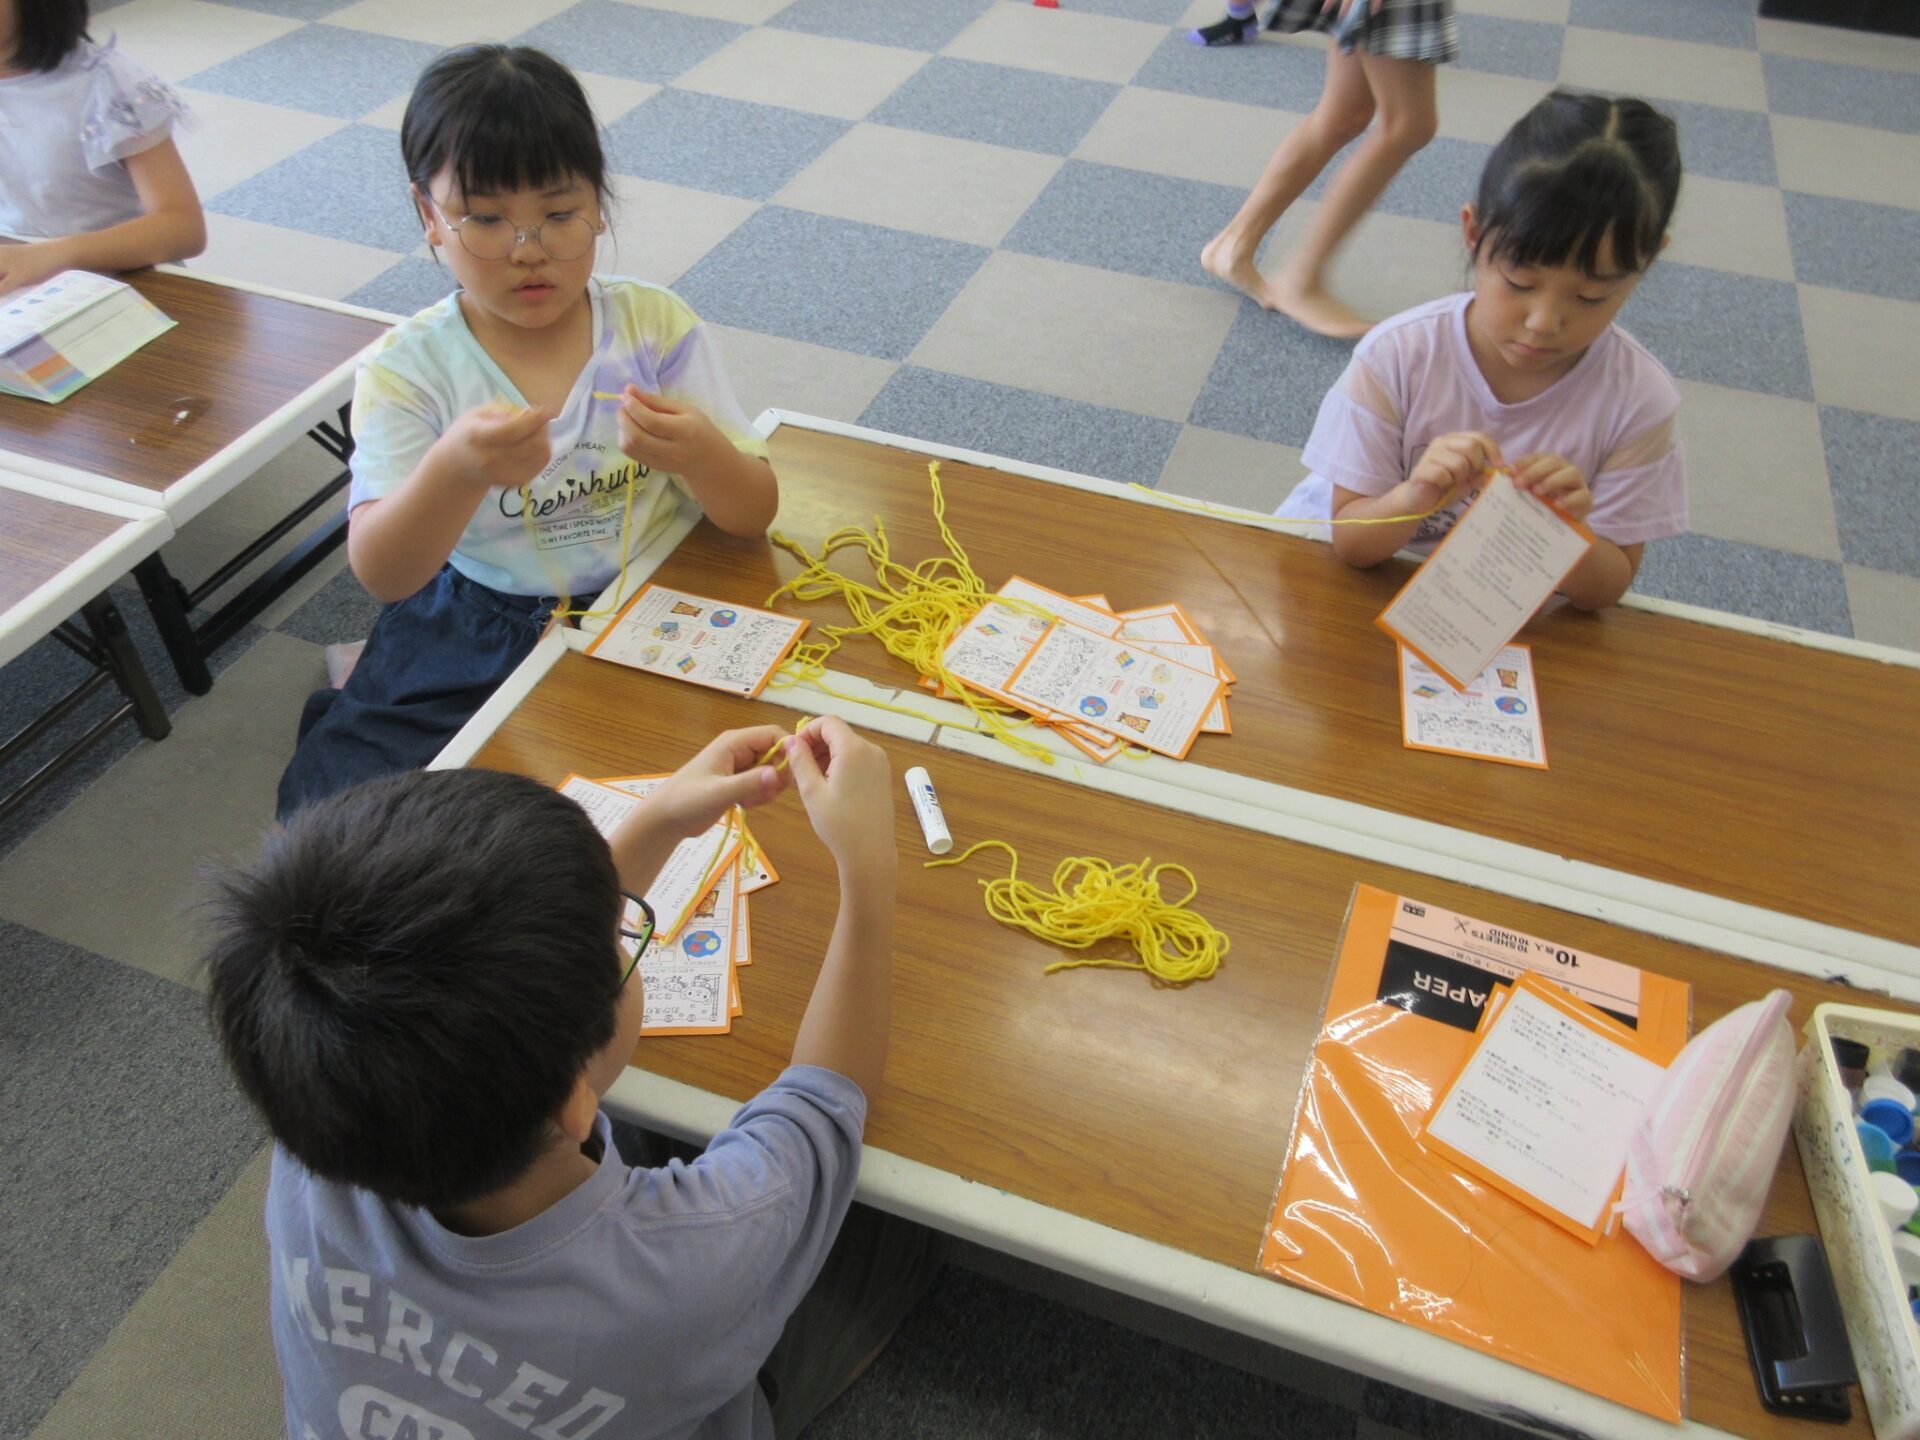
1527	371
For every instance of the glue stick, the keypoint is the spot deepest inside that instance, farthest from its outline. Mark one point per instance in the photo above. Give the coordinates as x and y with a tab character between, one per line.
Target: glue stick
926	805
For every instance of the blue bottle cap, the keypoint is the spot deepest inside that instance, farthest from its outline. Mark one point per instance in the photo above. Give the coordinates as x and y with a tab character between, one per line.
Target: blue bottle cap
1877	1144
1892	1117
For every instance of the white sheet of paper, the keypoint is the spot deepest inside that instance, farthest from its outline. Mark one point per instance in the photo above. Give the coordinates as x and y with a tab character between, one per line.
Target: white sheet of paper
689	637
1128	692
1062	607
1550	1105
1496	567
1497	717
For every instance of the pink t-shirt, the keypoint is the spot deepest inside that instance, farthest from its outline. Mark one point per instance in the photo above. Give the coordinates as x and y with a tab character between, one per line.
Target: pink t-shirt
1413	378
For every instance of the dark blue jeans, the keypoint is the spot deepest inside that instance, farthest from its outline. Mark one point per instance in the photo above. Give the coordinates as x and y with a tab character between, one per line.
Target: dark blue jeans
431	661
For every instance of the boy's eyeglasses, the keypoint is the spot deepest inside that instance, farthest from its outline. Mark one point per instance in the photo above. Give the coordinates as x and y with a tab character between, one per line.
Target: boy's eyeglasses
639	932
494	237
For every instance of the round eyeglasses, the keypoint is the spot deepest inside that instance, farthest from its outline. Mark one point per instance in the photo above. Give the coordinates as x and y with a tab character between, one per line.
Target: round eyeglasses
636	929
566	235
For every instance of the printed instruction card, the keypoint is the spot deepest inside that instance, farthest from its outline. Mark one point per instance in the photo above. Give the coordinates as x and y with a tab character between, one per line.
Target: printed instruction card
728	647
1128	692
1546	1105
1497	717
1498	565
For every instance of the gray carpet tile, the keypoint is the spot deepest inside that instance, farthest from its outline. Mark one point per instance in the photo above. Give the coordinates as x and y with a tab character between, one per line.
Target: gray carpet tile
1432	185
1269	379
325	69
351	186
407	286
1710	22
120	1130
997	104
288	9
1127	220
1724	143
1158	12
34	680
1849	245
1283	77
1430	1419
630	40
1873	462
1849	94
908	24
340	612
979	1359
1734	330
1529	49
1748	580
1022	425
708	142
841	283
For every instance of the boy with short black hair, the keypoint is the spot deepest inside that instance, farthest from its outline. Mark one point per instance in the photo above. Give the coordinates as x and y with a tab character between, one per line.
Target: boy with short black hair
420	986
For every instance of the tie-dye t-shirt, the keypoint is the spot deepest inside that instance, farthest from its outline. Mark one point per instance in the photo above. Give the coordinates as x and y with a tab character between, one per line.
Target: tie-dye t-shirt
560	534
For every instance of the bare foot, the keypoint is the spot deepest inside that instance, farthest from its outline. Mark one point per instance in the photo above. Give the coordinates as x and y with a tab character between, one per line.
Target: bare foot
1225	261
1312	308
340	662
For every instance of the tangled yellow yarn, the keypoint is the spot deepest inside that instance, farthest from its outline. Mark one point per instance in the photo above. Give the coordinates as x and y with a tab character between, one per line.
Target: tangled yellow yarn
913	611
1092	900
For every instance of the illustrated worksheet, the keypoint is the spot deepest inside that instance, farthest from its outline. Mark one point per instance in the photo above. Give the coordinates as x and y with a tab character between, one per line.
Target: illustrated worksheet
1496	718
690	868
1130	693
1498	564
725	646
688	980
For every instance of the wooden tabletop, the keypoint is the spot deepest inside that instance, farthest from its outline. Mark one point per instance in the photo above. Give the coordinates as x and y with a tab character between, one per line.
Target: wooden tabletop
233	360
40	538
1755	769
1161	1112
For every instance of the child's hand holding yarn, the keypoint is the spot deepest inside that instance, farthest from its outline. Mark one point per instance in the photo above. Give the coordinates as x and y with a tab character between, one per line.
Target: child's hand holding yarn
844	783
500	446
724	774
669	435
1450	464
1554	478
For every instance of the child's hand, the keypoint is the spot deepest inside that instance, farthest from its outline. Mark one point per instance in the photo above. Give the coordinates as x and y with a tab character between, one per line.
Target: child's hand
666	434
24	266
724	774
1450	464
850	801
1553	478
501	447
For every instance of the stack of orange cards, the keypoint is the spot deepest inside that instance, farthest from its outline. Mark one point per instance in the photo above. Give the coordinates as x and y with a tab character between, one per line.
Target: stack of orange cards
1102	678
691	968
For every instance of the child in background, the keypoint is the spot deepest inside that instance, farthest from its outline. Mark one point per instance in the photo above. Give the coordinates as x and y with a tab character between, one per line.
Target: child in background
1379	74
92	180
517	442
422	988
1526	371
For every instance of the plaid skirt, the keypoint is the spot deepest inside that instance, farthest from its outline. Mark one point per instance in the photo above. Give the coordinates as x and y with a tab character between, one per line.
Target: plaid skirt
1403	30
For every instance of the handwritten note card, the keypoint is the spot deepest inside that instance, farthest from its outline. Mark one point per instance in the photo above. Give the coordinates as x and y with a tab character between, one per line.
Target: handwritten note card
1496	567
1497	717
716	643
1546	1105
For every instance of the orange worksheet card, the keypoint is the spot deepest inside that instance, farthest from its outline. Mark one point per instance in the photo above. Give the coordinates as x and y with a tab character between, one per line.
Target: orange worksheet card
1366	1214
715	643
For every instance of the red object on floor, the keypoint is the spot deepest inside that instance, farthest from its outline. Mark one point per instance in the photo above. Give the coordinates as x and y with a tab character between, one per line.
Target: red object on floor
1048	4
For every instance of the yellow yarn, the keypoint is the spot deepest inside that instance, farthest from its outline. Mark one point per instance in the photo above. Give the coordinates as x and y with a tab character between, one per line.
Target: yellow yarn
1092	900
1181	502
913	611
779	747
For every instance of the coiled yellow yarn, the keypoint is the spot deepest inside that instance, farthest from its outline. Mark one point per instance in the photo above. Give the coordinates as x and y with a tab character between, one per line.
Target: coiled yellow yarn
1092	900
913	611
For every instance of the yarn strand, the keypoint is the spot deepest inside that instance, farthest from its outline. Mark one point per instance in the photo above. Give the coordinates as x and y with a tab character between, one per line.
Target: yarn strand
1093	900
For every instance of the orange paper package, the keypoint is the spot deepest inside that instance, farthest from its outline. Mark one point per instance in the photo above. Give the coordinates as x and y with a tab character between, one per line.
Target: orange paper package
1365	1214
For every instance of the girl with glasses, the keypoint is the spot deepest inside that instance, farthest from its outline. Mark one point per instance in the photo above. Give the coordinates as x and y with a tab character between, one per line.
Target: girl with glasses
517	441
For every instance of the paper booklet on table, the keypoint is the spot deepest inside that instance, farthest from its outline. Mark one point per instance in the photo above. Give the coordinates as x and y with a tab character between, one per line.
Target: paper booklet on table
1364	1212
1498	565
1496	718
71	329
715	643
